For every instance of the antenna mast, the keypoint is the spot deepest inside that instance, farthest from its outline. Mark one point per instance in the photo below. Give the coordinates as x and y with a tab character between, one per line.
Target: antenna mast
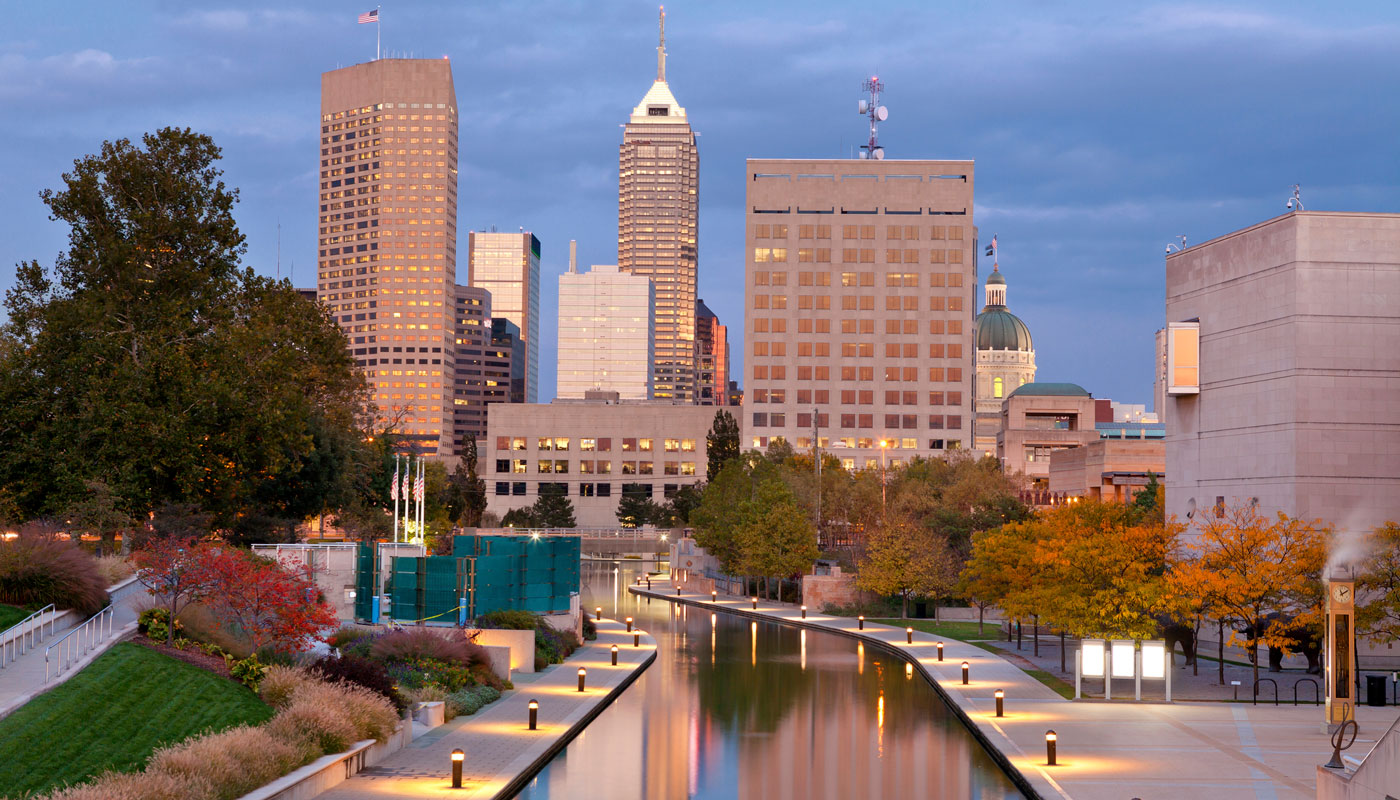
877	114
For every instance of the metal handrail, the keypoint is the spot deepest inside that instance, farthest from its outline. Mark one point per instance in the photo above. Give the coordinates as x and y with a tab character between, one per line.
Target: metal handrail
12	648
89	635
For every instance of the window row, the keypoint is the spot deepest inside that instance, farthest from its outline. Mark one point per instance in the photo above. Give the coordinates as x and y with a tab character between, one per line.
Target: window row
521	489
763	419
936	280
855	255
520	466
904	232
864	397
778	372
851	302
590	444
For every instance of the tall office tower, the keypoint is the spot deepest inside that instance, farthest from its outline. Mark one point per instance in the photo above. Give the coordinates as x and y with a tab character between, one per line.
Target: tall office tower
607	334
508	266
506	362
387	255
858	308
658	214
470	393
711	358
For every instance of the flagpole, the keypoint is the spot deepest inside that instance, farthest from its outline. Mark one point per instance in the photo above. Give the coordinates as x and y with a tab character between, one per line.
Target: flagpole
394	495
377	30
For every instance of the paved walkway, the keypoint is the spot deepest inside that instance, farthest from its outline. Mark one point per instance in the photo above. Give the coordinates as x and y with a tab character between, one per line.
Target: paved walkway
500	749
1106	751
23	679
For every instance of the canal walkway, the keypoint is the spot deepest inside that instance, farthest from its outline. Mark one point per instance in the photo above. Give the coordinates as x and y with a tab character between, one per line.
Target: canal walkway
1106	750
500	751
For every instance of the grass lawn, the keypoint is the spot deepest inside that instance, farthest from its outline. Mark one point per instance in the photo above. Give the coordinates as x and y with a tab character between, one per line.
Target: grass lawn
112	715
962	631
10	616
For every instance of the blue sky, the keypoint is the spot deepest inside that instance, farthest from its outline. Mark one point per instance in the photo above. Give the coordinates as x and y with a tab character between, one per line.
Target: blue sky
1100	130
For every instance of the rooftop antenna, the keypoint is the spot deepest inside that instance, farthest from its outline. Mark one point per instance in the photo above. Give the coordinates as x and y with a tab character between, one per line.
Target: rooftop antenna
1295	203
1178	245
279	249
573	256
661	50
877	114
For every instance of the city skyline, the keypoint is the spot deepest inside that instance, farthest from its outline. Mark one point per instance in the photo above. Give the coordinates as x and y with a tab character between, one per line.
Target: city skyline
1085	172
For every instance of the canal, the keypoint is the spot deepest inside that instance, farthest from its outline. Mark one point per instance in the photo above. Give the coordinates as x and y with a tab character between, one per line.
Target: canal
758	711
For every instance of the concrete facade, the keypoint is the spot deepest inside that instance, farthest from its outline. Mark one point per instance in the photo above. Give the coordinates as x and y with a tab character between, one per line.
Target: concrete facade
387	250
1109	469
1299	370
596	450
711	357
607	334
1040	419
859	282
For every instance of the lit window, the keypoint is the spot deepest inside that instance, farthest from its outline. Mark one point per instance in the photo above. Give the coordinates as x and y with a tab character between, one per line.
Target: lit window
997	387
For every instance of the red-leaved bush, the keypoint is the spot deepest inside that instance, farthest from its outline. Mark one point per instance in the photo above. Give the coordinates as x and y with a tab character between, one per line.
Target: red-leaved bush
409	644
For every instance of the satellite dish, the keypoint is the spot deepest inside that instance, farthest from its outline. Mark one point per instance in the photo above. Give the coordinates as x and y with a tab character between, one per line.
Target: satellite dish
864	155
882	114
879	154
862	107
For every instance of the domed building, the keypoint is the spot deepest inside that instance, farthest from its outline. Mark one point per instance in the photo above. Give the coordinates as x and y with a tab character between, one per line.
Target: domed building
1005	361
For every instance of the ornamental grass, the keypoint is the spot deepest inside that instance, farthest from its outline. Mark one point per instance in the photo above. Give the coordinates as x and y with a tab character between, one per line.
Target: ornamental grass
137	786
235	761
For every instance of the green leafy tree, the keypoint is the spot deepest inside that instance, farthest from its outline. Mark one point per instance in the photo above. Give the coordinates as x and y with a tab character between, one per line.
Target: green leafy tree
721	513
907	560
775	540
553	509
677	511
635	510
98	512
523	517
721	443
467	491
1378	586
1150	502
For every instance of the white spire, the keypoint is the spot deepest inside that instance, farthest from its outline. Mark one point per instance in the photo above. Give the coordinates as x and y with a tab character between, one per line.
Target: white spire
573	256
661	50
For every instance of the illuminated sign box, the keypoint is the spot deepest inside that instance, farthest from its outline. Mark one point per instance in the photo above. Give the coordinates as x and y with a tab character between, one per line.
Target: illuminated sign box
1091	657
1154	659
1183	358
1121	656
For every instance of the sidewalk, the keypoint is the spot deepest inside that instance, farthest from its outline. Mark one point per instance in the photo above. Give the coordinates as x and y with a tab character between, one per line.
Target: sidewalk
500	751
1106	751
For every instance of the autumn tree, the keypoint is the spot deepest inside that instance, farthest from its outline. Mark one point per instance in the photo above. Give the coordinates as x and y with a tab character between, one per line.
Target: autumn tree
721	443
906	560
1001	571
1378	586
1264	574
176	572
269	603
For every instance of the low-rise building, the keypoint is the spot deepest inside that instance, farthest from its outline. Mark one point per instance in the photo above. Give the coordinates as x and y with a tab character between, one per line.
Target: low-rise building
1039	419
1109	469
593	450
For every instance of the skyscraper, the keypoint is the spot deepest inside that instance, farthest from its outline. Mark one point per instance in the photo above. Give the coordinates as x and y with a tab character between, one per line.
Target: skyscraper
508	266
711	357
658	215
387	248
860	279
607	333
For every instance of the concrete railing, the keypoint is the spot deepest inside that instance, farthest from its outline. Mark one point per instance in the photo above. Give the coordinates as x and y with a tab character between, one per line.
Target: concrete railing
327	772
1373	778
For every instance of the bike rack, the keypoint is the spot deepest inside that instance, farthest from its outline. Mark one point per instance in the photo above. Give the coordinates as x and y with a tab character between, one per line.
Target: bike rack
1256	689
1317	691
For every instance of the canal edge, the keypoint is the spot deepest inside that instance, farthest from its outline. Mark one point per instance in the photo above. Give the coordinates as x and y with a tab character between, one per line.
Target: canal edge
1012	771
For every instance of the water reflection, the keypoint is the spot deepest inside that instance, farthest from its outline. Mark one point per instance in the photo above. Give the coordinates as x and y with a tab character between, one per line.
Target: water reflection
741	709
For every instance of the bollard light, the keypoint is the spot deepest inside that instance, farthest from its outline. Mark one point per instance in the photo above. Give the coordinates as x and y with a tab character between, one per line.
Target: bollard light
598	613
582	673
908	671
629	624
714	596
678	591
755	603
636	638
457	756
940	651
648	583
908	635
1050	740
534	714
804	612
964	666
1000	695
861	620
614	655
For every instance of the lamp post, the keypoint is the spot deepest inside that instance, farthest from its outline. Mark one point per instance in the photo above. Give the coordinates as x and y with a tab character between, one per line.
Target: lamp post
964	669
614	655
1000	695
582	674
629	624
908	635
1050	739
714	596
534	714
940	651
598	613
636	638
755	603
804	612
861	618
457	757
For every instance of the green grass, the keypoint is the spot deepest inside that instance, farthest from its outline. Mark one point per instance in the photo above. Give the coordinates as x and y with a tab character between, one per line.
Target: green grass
112	715
10	616
962	631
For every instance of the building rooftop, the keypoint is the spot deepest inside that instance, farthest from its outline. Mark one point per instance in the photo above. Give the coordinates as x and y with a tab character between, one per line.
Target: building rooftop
1050	390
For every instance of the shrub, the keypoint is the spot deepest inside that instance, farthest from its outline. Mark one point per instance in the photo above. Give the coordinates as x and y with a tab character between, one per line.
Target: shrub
137	786
554	646
248	672
36	571
590	631
279	683
344	636
508	619
471	699
234	762
370	716
114	569
199	624
371	675
408	645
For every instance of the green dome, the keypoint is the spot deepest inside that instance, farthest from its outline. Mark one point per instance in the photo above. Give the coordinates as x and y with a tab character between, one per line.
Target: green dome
999	329
995	278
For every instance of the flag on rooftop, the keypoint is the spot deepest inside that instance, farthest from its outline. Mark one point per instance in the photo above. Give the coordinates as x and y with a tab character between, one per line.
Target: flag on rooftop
369	16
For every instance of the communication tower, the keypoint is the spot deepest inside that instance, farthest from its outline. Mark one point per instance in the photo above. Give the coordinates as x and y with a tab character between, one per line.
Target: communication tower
877	113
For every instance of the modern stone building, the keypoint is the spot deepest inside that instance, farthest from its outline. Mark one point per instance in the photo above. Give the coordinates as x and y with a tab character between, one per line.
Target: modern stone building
607	334
1109	469
1284	367
1038	420
387	235
593	450
1005	361
508	266
711	357
859	281
507	356
658	218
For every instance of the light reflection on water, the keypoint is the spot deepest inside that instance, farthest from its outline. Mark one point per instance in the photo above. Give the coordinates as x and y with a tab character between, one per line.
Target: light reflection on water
757	711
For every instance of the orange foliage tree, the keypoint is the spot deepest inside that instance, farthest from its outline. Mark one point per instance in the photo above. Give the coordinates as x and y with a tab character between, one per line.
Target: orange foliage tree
1264	574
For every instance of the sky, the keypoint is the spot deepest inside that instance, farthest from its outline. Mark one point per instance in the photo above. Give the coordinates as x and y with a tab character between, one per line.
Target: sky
1101	131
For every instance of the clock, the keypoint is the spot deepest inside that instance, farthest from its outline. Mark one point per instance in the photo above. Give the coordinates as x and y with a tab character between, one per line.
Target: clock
1341	593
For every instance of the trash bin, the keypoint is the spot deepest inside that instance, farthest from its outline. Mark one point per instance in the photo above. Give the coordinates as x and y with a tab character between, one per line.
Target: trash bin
1375	690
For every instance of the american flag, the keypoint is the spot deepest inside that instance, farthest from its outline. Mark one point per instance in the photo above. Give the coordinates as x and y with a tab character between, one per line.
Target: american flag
394	486
404	493
992	248
418	488
369	16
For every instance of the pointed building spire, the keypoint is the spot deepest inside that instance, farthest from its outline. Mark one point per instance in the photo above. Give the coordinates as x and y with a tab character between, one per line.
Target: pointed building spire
661	50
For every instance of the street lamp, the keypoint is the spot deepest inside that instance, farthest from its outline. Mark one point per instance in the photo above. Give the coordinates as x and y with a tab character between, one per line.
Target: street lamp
629	624
582	673
1050	740
614	655
457	757
964	669
861	618
940	651
1000	696
637	638
534	714
598	613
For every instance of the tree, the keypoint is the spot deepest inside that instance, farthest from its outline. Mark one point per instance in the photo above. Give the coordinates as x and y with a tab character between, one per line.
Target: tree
272	604
149	359
720	514
99	512
552	509
1378	586
523	517
999	571
1266	575
721	443
676	513
635	509
776	539
907	560
467	492
176	571
1151	501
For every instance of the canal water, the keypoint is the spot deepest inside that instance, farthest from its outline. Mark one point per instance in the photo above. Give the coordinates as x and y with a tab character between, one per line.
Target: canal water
759	711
